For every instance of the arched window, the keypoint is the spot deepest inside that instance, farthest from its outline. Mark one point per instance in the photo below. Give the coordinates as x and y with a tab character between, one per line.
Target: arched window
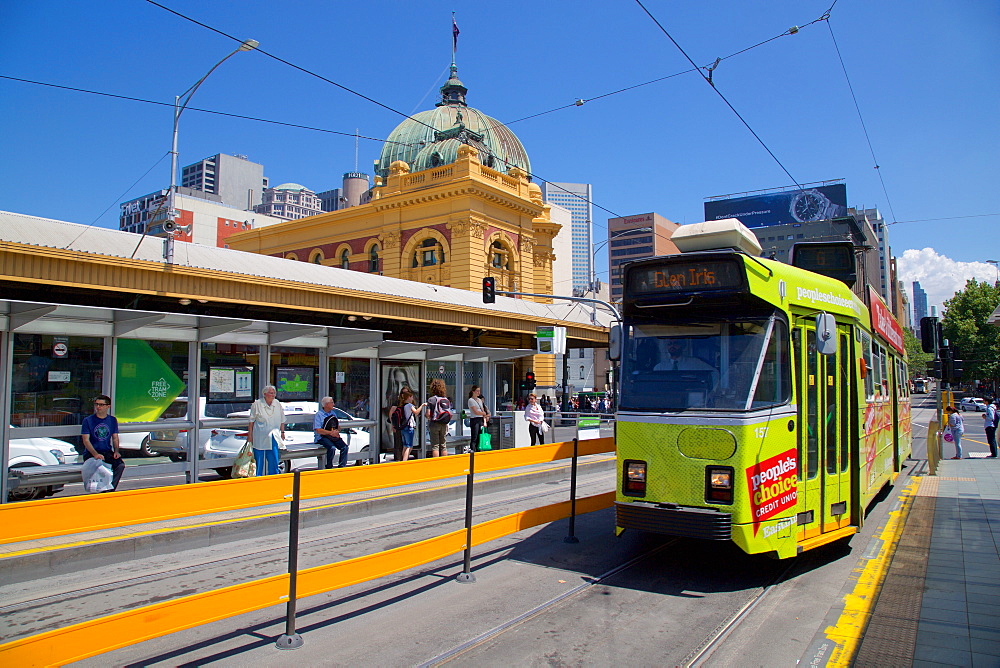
316	257
429	253
436	160
583	373
345	260
373	259
499	256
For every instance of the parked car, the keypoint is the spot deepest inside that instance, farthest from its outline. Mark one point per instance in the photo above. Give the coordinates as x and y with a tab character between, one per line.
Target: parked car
39	451
973	404
299	435
174	442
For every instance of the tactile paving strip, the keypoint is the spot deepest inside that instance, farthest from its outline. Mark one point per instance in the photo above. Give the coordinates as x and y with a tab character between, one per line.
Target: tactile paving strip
891	636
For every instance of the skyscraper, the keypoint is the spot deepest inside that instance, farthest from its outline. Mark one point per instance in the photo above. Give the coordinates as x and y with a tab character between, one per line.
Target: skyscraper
919	303
577	198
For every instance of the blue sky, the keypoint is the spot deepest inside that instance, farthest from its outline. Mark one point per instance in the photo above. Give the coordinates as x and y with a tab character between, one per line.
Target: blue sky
925	75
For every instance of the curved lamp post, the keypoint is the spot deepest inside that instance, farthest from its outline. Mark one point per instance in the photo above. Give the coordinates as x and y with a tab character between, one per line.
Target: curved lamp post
180	104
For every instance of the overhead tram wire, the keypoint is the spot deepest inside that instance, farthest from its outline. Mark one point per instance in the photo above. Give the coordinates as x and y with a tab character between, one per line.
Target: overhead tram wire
204	111
580	102
857	106
292	65
709	81
127	190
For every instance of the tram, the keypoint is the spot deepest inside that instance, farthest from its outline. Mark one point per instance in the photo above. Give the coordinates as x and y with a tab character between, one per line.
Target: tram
761	403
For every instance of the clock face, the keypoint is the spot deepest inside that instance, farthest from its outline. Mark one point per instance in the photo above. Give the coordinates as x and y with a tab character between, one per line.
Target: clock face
807	207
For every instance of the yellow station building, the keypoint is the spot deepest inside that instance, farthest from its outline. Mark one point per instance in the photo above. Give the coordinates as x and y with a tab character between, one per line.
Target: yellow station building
452	203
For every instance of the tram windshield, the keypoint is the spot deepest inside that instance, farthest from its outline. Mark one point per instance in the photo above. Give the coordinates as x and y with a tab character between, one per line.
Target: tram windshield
731	365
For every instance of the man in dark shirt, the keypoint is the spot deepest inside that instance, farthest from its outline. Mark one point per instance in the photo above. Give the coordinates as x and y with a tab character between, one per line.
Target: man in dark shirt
100	438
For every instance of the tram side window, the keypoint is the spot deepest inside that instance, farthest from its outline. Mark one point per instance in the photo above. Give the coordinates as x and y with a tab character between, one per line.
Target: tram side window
866	347
883	372
812	406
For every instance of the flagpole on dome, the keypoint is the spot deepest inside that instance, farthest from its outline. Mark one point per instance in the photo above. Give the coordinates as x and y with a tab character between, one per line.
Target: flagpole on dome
454	40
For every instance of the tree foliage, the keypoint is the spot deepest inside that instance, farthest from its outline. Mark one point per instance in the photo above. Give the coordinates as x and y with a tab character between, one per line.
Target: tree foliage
970	337
917	361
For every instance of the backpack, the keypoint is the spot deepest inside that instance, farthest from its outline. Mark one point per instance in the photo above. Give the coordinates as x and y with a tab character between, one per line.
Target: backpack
442	411
396	418
996	415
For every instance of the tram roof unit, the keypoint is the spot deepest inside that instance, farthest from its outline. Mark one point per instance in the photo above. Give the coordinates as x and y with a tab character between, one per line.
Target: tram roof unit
24	229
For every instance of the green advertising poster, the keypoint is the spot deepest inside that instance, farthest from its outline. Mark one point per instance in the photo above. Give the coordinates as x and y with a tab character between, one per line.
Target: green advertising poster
145	386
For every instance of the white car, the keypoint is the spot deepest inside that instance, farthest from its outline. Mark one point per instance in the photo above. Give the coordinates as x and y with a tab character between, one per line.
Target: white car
299	435
39	451
174	442
973	404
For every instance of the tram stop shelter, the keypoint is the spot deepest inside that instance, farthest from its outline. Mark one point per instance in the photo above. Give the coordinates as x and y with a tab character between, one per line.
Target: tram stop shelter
87	311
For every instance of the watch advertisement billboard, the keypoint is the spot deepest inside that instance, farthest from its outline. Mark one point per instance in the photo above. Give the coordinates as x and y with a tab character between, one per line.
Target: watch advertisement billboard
782	208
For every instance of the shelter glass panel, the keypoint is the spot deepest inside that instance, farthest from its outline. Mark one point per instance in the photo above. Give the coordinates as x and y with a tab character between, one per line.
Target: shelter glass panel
295	373
349	383
55	378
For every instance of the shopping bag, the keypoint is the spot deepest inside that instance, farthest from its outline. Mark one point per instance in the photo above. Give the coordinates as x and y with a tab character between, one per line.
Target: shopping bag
545	427
96	476
948	437
245	465
485	442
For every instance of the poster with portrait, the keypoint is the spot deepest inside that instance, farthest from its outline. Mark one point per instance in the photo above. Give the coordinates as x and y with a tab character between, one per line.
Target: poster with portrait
395	376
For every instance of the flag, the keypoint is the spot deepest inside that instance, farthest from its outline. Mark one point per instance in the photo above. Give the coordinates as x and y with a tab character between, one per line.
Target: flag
454	34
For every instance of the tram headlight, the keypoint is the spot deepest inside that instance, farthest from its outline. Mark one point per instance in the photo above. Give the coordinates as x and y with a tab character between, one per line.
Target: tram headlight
719	484
634	478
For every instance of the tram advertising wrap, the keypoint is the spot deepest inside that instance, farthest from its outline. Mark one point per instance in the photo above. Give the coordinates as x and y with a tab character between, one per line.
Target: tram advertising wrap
773	486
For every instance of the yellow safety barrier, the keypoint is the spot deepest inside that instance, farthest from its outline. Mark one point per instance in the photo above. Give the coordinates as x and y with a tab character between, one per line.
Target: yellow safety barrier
88	639
79	514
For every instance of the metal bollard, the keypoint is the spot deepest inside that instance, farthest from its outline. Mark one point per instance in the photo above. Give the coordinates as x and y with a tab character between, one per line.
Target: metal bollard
290	639
571	538
466	575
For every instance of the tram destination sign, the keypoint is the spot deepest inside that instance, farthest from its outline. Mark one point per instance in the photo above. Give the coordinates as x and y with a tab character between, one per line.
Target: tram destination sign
687	275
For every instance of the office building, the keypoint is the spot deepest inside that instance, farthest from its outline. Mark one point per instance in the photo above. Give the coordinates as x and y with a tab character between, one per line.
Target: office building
577	198
919	303
202	218
234	178
289	201
351	193
633	238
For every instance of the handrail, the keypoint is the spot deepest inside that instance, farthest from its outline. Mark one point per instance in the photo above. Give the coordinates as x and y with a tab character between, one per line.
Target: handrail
87	639
78	514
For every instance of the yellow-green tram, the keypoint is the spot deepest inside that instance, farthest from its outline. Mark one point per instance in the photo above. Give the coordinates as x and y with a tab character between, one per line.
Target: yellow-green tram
760	403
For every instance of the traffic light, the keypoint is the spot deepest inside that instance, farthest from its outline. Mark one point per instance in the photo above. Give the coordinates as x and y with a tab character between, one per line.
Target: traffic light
929	334
937	370
489	290
956	370
529	381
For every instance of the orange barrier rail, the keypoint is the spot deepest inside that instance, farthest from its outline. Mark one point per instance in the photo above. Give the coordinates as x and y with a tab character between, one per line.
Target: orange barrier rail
79	514
88	639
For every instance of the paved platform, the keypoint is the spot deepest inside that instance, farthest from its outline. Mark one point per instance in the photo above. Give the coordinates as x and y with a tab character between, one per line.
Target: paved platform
940	602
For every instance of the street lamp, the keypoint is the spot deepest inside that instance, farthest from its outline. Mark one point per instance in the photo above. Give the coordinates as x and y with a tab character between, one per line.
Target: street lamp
180	104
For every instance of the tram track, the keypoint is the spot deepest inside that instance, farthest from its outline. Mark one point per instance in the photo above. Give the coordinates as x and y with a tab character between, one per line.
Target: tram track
65	605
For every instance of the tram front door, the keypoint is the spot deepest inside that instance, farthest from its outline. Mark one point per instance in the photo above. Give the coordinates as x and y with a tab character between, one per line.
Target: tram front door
825	420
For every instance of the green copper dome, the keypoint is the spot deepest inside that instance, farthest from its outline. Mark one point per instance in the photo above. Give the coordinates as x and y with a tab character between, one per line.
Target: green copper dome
431	138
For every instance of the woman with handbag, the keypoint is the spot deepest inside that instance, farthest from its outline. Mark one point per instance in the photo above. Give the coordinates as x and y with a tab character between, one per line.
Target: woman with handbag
536	419
267	418
410	413
956	427
479	417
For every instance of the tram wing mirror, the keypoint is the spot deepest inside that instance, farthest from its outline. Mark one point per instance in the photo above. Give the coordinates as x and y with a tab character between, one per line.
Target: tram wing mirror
826	334
615	343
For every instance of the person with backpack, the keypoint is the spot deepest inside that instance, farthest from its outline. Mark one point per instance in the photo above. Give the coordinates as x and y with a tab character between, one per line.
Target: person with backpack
439	413
406	415
991	419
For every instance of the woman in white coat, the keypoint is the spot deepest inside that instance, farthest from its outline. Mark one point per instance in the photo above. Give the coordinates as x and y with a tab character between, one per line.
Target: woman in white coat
267	417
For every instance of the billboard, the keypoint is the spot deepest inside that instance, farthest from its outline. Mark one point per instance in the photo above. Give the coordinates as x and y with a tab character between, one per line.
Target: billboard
782	208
